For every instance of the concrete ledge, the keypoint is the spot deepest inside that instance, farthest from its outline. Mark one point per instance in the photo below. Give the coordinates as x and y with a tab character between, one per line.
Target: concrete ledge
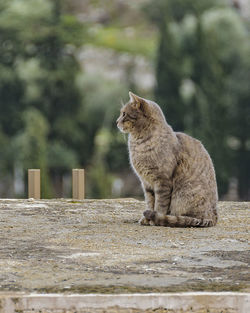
97	247
172	302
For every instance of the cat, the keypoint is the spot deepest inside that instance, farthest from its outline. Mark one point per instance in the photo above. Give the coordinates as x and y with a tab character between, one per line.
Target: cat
175	170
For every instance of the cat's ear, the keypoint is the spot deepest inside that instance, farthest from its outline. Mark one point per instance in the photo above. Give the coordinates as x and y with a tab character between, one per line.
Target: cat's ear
134	98
138	102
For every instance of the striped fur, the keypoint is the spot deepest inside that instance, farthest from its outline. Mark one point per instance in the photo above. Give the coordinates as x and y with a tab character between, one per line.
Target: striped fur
175	170
179	221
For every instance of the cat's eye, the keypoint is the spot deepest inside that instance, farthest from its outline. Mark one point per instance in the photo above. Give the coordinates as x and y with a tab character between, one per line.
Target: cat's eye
123	114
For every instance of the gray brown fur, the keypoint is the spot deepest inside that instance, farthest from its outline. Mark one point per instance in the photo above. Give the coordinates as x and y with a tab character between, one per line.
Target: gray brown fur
175	170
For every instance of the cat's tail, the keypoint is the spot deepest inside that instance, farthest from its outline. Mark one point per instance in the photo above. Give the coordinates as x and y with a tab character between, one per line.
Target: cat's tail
179	221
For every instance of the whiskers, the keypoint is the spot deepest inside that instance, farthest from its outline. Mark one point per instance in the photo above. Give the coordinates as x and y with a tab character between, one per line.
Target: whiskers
125	137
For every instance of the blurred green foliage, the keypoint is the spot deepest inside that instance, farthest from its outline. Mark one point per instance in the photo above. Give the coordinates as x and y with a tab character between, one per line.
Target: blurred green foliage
124	40
55	116
52	114
203	54
38	92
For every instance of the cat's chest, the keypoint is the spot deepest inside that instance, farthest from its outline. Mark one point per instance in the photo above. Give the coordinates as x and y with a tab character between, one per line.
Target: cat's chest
144	159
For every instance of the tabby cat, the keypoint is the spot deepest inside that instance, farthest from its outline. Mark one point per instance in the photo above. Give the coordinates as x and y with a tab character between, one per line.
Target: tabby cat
175	170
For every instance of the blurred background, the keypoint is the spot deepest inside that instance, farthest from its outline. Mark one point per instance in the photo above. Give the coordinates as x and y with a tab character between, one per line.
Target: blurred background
65	66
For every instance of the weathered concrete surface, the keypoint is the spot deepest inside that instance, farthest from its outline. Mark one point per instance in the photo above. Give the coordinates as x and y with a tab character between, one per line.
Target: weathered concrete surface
203	302
97	247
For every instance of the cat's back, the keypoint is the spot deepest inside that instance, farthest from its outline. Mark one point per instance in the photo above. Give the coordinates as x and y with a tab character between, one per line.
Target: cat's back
195	165
192	150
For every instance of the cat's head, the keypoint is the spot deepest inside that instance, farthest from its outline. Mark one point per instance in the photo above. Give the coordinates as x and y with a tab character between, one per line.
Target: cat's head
138	114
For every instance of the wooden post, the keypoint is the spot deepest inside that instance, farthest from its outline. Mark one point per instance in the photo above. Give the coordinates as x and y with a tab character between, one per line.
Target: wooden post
34	184
78	187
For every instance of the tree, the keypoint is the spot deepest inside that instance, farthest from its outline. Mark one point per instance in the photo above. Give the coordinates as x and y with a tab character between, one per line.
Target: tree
38	69
106	155
31	147
239	139
200	50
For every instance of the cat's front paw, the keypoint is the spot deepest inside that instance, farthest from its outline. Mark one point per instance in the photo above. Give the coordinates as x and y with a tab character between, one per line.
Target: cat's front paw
149	215
144	222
